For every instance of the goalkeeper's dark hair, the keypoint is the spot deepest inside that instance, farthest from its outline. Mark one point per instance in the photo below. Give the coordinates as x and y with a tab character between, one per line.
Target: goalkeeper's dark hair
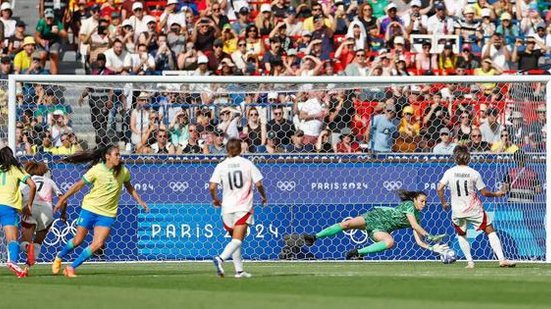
461	155
94	157
405	195
7	160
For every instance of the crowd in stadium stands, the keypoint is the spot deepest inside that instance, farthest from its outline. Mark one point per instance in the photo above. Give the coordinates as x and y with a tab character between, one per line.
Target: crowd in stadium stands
287	38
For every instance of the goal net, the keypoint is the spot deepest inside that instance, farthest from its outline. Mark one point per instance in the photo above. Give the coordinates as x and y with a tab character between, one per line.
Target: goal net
330	148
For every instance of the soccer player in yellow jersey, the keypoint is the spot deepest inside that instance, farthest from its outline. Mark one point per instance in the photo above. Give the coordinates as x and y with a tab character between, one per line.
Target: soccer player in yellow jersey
107	175
11	175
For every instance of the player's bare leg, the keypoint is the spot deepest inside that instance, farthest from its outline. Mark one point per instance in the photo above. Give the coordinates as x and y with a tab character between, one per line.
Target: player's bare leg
495	243
69	246
383	241
357	223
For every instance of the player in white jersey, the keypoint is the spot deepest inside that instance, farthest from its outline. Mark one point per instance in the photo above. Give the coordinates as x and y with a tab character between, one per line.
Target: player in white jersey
41	219
237	176
464	183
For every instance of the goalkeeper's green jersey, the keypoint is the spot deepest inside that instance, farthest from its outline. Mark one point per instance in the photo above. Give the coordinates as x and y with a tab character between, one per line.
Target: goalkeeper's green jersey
389	219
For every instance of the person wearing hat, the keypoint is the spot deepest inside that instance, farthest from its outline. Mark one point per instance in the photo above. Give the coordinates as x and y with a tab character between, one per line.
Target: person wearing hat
171	15
6	18
507	28
391	20
440	23
538	126
139	19
446	145
383	131
528	59
23	59
230	39
49	35
467	27
415	19
294	24
242	21
467	60
488	26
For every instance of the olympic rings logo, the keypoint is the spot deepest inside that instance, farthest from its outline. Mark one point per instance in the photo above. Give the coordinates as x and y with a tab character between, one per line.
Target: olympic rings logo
286	185
60	230
178	186
357	236
65	186
392	185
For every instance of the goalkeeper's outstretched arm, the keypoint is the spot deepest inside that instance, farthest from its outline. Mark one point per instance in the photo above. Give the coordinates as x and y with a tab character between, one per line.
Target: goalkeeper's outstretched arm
437	248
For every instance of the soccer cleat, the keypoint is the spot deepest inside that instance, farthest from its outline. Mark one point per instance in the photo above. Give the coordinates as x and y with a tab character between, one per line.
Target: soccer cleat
56	266
470	265
18	271
30	255
69	272
242	274
353	255
507	264
309	239
218	264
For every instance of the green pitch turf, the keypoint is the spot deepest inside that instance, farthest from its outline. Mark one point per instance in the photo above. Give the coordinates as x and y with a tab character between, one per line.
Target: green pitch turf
282	285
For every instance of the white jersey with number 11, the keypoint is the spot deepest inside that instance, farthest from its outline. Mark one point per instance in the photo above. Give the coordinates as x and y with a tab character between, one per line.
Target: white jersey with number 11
464	183
237	176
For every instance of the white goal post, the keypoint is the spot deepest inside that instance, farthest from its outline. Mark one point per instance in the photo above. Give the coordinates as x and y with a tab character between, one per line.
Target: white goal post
170	235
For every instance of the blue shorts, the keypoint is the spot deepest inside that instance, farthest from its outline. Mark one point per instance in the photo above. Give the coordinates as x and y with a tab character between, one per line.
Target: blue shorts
88	220
9	216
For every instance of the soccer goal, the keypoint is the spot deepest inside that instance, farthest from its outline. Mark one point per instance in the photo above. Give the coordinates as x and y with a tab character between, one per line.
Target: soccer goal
329	147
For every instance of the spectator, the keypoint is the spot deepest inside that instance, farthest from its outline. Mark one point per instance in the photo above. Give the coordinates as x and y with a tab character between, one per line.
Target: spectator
149	37
488	69
229	39
341	113
415	19
139	20
423	60
238	56
171	16
298	145
45	144
274	54
59	8
176	39
379	7
127	36
23	59
498	52
115	58
272	144
507	29
281	127
36	66
294	25
518	130
204	34
255	129
58	126
476	143
15	42
49	35
390	19
538	126
141	62
534	143
192	145
254	42
108	8
543	38
98	41
468	60
242	20
491	129
347	142
435	117
529	58
22	143
409	131
67	146
162	145
321	12
446	61
217	147
48	103
468	28
229	119
440	23
139	118
487	27
217	15
462	131
383	130
311	114
189	59
521	182
5	67
6	14
446	145
504	144
179	129
529	22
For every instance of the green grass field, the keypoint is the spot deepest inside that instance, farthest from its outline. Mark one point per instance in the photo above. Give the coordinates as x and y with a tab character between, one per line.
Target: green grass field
283	285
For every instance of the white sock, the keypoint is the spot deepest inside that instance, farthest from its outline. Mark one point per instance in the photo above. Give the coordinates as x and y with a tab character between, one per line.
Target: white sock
230	248
465	247
237	260
37	248
23	246
495	243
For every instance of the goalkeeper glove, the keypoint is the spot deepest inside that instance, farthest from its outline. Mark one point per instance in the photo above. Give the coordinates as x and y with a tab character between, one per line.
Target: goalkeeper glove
439	248
435	238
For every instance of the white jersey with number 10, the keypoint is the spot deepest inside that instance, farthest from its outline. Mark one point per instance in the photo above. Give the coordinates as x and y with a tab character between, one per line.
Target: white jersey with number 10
237	176
464	183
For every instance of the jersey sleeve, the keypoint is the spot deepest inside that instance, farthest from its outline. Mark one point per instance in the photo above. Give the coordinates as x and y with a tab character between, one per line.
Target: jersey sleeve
479	183
256	174
445	179
90	176
215	178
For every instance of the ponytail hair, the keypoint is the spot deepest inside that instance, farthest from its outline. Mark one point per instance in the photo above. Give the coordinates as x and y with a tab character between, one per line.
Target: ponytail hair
409	195
7	160
94	156
36	168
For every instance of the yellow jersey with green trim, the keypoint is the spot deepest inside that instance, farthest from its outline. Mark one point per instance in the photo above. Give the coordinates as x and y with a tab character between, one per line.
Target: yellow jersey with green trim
9	187
104	196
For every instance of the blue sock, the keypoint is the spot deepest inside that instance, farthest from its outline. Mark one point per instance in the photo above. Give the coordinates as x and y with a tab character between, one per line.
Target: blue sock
13	251
68	248
86	254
